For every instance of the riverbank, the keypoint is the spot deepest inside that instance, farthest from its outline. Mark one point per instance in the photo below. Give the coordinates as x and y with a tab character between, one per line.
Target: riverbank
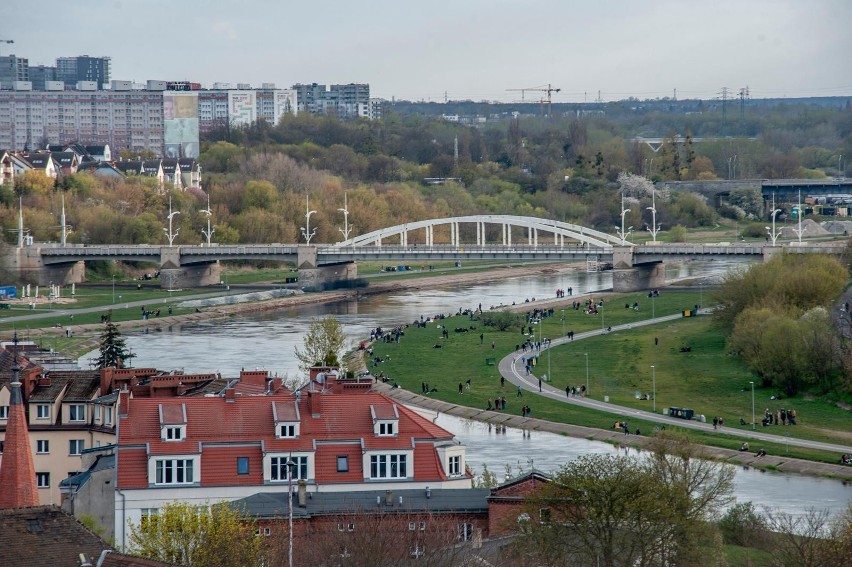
86	337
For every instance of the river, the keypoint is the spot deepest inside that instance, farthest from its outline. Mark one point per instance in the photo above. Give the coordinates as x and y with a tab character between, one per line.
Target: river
267	340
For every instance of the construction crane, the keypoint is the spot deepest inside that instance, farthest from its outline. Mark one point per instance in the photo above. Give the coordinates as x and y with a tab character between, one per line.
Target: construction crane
541	89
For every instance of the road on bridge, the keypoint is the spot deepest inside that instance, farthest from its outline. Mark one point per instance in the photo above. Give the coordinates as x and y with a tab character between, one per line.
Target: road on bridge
511	368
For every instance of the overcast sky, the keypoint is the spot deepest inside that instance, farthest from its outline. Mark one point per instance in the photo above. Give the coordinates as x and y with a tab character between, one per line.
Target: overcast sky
468	49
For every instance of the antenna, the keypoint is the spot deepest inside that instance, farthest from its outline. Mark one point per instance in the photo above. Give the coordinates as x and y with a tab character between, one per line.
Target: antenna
724	94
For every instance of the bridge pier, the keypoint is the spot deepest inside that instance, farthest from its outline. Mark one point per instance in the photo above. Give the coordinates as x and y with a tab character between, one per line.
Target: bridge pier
637	278
194	275
25	266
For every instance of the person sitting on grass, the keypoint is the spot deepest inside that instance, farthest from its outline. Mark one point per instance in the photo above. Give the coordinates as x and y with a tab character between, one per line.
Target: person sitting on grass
744	447
761	453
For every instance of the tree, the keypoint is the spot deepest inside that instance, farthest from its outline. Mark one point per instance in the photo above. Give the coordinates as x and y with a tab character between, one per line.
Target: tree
812	539
193	536
600	510
113	351
323	344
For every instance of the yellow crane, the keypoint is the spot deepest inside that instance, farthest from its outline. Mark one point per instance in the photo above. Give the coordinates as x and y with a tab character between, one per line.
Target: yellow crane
541	89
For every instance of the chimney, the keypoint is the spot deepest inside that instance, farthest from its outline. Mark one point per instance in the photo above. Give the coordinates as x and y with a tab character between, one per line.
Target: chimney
124	402
303	494
230	395
106	380
389	498
315	403
17	472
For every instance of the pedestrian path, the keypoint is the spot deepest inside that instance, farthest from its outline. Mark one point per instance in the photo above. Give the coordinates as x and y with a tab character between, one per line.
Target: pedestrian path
511	368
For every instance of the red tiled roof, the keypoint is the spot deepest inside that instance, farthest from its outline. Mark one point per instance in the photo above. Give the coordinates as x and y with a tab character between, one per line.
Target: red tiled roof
343	426
286	411
384	411
17	472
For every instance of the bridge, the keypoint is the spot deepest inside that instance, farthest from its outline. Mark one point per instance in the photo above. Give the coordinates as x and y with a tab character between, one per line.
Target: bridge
477	237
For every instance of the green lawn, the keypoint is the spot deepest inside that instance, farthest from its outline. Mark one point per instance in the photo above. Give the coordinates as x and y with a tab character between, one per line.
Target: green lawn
705	379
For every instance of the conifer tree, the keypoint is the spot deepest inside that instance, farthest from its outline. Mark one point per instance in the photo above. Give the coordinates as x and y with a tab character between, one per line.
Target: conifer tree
113	351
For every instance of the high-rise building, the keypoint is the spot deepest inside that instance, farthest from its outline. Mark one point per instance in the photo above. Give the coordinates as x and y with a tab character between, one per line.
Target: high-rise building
41	75
13	68
83	68
346	101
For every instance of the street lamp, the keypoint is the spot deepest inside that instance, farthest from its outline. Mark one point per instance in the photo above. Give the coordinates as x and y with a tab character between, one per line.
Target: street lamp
210	230
587	373
654	386
307	233
654	228
623	233
752	405
772	232
563	321
113	289
170	234
345	210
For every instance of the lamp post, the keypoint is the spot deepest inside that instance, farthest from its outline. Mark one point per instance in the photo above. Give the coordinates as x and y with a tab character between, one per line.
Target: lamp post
209	213
654	386
345	210
563	321
752	405
307	233
113	289
587	373
624	232
654	228
171	234
772	232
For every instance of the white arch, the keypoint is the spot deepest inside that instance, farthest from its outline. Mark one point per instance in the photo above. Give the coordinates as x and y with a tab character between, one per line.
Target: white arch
557	228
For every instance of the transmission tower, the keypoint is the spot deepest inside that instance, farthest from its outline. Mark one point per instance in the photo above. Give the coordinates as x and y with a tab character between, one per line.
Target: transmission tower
743	96
724	94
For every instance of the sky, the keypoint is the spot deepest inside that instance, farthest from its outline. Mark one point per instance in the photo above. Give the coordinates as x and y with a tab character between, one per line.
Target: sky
458	50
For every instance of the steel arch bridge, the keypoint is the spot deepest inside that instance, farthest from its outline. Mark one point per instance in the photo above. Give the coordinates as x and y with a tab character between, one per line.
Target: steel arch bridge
532	226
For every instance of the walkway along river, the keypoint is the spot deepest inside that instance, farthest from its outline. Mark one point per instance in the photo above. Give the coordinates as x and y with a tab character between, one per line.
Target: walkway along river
267	341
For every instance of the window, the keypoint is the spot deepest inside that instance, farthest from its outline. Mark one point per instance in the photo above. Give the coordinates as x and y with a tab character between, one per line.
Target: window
412	526
242	465
4	412
422	526
97	413
465	532
42	446
278	470
544	515
108	416
455	465
342	463
174	471
173	433
42	411
386	428
350	527
76	446
388	466
285	430
43	479
77	412
339	527
418	551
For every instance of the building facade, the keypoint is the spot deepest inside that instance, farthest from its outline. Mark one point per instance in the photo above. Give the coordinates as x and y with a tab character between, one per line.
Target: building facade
335	435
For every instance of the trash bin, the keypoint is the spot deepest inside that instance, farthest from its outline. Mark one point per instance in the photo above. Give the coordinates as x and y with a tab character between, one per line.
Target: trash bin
606	398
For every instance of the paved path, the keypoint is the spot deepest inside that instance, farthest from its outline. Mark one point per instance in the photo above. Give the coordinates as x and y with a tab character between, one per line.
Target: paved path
512	369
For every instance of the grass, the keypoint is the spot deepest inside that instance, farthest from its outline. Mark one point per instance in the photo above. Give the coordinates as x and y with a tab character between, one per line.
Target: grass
705	379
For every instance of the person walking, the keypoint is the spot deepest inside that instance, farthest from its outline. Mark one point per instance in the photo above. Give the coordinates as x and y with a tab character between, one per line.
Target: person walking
520	392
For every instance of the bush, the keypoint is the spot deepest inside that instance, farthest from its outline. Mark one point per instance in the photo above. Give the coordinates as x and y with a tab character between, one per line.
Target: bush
742	525
501	320
754	230
678	233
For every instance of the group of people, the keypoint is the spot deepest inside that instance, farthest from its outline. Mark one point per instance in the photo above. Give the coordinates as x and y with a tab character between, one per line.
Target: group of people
846	459
526	410
574	391
782	416
744	448
718	422
499	403
560	293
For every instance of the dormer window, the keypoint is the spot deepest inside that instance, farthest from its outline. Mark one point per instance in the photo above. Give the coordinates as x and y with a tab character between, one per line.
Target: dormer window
173	422
174	433
287	430
385	420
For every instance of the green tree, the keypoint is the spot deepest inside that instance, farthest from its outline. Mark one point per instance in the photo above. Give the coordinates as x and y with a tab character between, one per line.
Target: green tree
678	233
193	536
323	344
113	353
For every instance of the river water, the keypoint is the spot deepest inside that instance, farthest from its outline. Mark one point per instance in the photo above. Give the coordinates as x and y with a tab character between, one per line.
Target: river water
267	340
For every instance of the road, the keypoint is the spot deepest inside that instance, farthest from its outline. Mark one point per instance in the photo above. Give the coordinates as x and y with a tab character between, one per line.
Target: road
512	369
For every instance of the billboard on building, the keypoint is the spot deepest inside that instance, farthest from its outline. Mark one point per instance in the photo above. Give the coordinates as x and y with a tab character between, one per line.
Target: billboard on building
180	124
242	108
